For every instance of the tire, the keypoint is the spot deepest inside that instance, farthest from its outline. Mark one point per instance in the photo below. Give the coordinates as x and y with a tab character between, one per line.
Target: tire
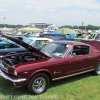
97	69
38	84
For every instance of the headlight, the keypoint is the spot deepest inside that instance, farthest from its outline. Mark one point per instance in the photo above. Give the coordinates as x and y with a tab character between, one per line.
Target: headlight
15	72
12	71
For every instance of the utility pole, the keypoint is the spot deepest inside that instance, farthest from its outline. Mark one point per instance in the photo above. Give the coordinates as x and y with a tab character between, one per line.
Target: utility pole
4	21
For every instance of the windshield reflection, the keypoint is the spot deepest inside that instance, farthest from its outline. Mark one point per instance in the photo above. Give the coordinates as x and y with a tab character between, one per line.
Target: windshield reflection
57	49
28	41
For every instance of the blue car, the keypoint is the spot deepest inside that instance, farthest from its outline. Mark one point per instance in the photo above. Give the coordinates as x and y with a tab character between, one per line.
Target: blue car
6	42
70	37
8	46
55	36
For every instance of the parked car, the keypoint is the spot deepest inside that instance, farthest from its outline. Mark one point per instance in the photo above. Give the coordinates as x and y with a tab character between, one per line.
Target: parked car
80	38
58	59
10	47
95	36
5	42
96	44
39	42
31	34
19	37
54	36
70	37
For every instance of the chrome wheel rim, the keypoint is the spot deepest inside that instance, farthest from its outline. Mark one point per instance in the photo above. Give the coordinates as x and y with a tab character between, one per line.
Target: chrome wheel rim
39	84
98	69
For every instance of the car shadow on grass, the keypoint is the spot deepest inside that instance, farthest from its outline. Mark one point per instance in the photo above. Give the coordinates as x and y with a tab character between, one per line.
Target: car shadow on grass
7	88
70	79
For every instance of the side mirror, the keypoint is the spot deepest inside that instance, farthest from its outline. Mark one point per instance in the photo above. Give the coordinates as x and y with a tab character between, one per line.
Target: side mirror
74	54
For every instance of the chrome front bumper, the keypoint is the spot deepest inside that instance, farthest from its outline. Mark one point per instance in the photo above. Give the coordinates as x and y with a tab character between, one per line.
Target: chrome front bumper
10	79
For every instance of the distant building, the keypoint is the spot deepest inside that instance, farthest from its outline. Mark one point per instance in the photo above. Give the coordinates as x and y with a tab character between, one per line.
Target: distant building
52	27
40	25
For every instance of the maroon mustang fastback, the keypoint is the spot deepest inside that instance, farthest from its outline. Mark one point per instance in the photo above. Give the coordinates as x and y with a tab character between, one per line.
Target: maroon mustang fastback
59	59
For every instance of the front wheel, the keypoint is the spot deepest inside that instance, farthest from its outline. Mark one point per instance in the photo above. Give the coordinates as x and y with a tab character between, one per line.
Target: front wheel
97	69
38	84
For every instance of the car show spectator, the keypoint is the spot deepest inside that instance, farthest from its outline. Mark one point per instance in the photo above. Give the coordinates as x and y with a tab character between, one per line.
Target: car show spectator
41	34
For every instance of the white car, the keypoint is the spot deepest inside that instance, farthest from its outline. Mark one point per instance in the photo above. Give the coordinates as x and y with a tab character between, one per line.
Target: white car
37	42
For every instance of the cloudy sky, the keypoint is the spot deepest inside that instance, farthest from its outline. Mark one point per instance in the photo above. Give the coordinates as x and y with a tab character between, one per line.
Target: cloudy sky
58	12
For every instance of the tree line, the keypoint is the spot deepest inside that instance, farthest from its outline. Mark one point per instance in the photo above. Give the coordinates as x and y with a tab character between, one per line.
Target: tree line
11	26
88	27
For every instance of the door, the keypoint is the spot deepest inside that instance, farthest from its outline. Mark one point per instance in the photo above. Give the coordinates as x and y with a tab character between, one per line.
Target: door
79	60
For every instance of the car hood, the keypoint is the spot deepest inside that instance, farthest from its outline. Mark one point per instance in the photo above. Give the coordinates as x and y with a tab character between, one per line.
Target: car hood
25	45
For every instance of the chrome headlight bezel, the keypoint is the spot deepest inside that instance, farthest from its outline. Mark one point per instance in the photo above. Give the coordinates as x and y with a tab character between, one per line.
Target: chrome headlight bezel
12	71
15	72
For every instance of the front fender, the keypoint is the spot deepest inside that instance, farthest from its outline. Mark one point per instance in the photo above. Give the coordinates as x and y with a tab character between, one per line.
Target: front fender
40	71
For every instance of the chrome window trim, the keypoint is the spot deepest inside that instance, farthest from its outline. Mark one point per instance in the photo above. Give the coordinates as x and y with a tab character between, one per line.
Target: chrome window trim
70	51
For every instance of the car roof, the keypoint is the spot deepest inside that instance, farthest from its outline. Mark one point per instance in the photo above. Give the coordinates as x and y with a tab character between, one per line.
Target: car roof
59	34
39	38
71	42
95	33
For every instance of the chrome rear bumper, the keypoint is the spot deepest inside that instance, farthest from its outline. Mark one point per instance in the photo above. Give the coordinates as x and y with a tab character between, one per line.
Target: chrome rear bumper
10	79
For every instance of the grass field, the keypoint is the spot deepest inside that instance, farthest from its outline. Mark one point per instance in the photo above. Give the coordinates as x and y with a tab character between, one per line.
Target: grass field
81	87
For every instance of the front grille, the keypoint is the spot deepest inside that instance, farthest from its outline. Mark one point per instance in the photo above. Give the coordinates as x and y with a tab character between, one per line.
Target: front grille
5	64
3	67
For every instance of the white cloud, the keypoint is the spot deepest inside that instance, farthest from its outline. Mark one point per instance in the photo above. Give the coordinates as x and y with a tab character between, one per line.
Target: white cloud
60	12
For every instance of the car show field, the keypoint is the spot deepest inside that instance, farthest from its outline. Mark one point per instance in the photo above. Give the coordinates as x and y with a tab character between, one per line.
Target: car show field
50	50
57	60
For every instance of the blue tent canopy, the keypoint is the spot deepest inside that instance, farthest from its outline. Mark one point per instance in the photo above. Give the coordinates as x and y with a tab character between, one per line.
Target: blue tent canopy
53	33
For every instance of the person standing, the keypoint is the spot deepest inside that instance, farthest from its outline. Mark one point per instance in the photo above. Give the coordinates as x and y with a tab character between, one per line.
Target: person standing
41	34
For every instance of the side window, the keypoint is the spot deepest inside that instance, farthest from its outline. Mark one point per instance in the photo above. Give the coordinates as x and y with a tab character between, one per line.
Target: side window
41	42
97	37
36	43
44	42
92	36
79	50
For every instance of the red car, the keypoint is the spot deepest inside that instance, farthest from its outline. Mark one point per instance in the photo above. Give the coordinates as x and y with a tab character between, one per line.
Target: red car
59	59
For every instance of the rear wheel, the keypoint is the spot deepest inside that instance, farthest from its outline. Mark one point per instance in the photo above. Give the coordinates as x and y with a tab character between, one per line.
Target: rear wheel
38	84
97	69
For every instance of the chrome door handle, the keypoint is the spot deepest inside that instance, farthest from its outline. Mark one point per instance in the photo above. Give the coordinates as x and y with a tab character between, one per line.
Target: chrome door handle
89	57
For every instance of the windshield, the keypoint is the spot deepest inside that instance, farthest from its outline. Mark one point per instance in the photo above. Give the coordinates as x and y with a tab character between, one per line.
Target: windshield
28	41
5	41
57	49
91	36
